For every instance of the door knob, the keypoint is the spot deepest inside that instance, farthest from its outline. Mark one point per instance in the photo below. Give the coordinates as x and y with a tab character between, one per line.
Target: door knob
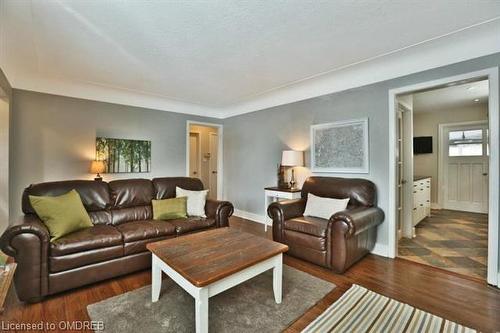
194	172
485	174
214	172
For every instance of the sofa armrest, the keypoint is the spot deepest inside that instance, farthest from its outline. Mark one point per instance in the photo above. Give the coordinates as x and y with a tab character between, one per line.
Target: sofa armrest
28	241
358	219
220	211
28	224
283	210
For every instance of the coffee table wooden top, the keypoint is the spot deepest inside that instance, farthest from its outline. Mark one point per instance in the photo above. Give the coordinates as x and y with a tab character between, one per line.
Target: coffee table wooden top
209	256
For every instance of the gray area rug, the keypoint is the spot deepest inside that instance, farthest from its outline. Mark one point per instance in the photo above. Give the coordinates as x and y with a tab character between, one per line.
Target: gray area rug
248	307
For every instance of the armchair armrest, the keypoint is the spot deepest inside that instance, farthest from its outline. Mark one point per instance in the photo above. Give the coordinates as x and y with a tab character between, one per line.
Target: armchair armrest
283	210
358	219
220	210
28	241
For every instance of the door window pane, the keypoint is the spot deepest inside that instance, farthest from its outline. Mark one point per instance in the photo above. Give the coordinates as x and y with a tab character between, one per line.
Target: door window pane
468	149
465	143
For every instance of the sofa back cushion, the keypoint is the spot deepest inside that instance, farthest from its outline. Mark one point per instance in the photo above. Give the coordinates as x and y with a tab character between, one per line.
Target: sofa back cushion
94	194
361	192
131	200
165	187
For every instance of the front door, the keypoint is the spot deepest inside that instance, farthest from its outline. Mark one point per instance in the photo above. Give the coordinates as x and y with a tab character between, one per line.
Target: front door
465	159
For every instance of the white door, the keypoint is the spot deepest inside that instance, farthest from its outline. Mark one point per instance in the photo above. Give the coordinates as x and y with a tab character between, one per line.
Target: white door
194	155
465	167
213	165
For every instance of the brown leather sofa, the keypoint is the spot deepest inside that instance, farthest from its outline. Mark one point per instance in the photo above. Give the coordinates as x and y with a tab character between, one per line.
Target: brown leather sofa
336	243
123	224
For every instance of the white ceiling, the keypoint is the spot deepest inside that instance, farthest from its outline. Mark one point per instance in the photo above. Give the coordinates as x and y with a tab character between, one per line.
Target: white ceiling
461	95
219	58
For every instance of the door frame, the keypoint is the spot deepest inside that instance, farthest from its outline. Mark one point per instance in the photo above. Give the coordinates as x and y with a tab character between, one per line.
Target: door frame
220	157
441	153
491	74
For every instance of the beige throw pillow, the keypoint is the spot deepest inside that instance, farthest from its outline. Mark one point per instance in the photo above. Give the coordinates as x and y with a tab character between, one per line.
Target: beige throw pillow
195	201
324	207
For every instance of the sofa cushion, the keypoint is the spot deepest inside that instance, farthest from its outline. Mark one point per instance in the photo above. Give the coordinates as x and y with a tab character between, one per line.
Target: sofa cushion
308	224
94	195
191	224
165	186
140	246
79	259
131	192
148	229
139	213
305	240
97	237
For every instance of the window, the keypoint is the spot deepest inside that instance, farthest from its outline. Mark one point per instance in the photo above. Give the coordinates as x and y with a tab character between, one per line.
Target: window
465	143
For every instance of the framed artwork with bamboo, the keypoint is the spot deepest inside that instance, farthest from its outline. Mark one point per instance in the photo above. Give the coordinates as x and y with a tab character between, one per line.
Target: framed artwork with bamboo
123	155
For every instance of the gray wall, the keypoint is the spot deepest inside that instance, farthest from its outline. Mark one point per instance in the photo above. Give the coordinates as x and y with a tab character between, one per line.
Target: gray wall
253	142
53	138
5	98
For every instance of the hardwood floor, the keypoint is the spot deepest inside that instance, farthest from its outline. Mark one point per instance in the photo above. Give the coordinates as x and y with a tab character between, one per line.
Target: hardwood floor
457	298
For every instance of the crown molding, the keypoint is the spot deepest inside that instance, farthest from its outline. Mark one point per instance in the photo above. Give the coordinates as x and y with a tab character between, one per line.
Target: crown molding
95	92
473	42
466	44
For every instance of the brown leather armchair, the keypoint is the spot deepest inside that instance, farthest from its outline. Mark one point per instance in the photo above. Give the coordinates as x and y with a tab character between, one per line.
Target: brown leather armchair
336	243
123	224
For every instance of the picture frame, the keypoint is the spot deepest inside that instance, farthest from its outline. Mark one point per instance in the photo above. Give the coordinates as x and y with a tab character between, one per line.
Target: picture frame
340	147
124	155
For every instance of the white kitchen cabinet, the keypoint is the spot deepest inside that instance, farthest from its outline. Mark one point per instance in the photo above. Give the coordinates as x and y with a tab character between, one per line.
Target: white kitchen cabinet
421	200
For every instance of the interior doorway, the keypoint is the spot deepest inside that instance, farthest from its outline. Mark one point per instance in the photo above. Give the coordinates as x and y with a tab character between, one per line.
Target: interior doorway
445	179
203	155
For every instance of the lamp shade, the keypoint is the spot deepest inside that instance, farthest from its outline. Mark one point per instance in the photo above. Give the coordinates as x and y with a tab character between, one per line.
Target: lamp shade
97	167
292	158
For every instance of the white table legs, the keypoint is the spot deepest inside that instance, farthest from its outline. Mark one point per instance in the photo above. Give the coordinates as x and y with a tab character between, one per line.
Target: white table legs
201	295
277	278
201	311
156	280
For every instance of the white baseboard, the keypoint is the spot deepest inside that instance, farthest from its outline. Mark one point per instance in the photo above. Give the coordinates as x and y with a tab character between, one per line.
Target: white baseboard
435	205
250	216
381	250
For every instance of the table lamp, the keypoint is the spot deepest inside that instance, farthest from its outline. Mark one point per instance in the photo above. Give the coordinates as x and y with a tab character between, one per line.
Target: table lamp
292	158
97	167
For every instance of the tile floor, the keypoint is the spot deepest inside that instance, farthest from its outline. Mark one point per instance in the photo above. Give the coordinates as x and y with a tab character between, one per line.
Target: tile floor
452	240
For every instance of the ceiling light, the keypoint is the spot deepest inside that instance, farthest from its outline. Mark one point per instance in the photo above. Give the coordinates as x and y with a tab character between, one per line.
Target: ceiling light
476	100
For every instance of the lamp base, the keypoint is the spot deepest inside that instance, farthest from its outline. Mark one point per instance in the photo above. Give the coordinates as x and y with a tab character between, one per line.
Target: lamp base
98	178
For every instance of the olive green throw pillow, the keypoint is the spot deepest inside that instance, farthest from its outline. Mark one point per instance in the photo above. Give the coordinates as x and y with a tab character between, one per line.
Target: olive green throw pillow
169	209
62	215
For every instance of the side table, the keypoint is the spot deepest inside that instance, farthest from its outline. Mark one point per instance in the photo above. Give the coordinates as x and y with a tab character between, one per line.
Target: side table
273	194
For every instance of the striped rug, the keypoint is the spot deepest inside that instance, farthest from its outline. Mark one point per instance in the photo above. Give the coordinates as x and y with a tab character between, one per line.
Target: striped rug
361	310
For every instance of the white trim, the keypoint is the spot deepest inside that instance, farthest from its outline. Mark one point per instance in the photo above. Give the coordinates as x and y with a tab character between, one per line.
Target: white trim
441	128
379	250
493	214
250	216
468	43
220	154
366	145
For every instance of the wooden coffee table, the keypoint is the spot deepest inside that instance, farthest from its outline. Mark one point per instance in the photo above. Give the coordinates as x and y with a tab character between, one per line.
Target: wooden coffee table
207	263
